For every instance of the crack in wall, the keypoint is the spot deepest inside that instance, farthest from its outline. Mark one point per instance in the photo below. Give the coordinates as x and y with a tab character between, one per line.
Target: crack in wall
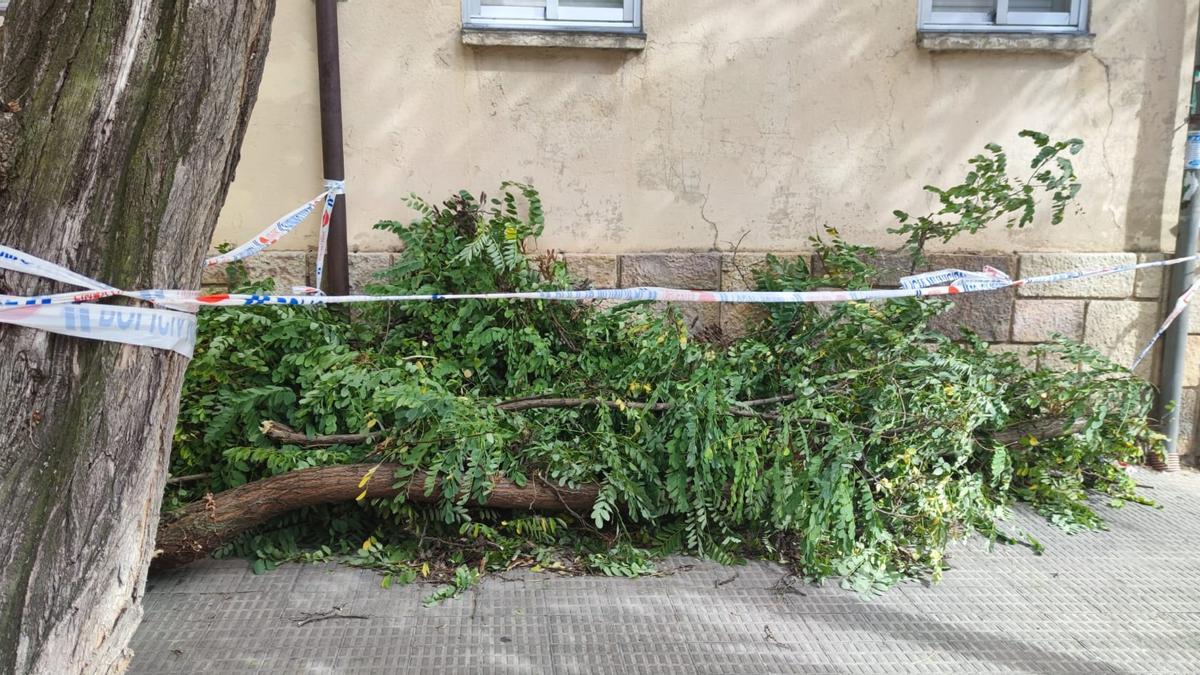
1112	116
715	228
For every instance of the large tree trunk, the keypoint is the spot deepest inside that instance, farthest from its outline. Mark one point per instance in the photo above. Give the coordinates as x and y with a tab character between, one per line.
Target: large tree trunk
125	121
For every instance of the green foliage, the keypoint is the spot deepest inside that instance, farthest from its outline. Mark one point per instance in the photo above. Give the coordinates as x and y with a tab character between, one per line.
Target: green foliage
880	454
989	194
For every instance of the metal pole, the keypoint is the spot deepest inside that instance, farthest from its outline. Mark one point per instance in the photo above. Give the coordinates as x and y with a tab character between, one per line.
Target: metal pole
1171	376
337	263
1171	373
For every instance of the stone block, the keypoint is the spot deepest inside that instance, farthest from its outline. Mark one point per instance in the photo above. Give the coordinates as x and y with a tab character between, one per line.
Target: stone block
737	317
989	315
1108	286
1191	363
1039	320
702	319
597	269
286	268
737	269
1148	283
557	39
889	266
1121	329
1188	405
365	268
1024	353
974	262
694	271
216	276
1052	361
940	41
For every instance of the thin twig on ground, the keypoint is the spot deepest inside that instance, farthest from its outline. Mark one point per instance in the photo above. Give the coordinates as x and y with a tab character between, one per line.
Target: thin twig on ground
335	613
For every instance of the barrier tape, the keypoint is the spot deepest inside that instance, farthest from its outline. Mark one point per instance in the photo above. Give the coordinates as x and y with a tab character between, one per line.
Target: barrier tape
285	225
1180	305
175	330
270	236
157	328
333	188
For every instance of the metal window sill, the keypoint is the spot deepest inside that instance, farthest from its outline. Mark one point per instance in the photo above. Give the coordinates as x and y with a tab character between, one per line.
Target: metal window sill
963	41
570	39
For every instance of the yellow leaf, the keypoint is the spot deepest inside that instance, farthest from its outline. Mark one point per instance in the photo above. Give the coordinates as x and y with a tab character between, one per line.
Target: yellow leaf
361	496
366	545
425	569
367	478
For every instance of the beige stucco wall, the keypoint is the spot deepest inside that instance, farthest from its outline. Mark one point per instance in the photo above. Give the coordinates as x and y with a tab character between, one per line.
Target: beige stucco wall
756	121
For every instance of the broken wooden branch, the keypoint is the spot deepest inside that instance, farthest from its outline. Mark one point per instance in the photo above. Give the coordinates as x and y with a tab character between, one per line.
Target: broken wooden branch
1041	429
191	478
197	529
278	431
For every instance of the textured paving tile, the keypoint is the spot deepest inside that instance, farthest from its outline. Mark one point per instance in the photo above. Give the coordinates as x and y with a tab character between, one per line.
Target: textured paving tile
1122	601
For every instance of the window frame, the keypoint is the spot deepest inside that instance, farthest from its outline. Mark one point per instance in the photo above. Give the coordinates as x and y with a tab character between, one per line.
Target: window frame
1004	20
554	17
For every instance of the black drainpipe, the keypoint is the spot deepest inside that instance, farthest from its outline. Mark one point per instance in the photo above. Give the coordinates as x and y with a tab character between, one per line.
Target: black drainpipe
337	259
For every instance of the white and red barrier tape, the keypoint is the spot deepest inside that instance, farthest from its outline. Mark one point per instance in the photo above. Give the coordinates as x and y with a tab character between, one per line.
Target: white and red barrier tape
174	327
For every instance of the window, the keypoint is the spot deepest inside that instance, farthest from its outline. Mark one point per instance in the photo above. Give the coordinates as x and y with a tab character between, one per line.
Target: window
1021	16
582	15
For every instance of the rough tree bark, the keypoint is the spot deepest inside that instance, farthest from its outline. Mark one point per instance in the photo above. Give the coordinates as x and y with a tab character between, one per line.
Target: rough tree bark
199	528
125	121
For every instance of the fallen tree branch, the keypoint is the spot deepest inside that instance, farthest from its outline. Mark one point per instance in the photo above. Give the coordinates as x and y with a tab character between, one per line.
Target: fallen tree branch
540	403
516	405
197	529
278	431
1041	429
191	478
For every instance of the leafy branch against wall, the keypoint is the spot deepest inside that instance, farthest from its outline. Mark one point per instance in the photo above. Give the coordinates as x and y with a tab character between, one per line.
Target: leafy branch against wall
989	194
881	440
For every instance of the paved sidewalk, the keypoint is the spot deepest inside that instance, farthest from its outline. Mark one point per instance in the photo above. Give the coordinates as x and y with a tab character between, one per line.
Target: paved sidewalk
1122	601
